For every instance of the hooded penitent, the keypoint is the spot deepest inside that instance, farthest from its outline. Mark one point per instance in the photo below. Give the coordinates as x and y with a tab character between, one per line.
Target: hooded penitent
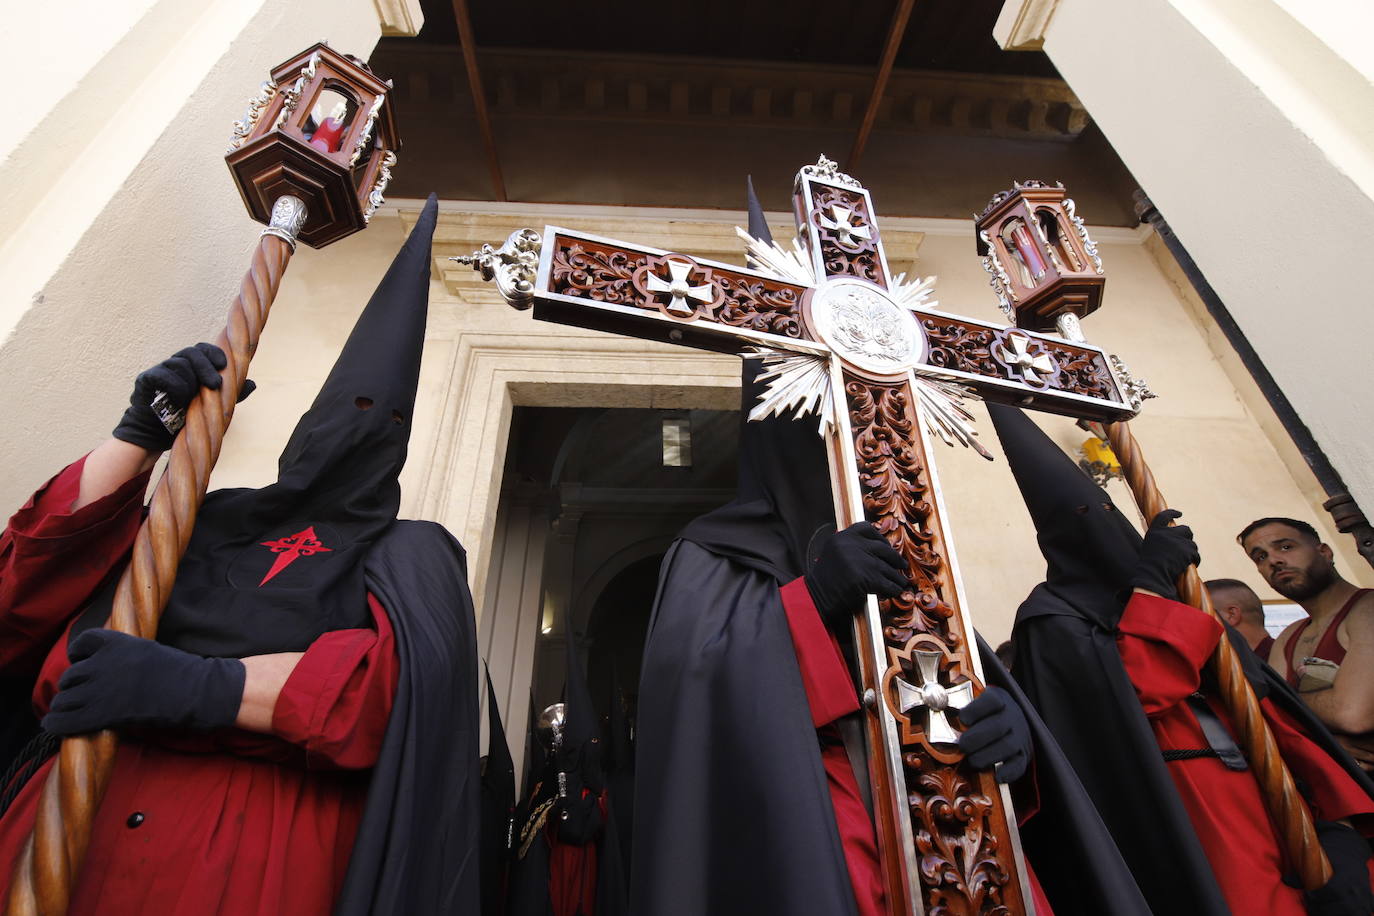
578	756
732	809
570	846
1089	548
1067	662
733	812
271	569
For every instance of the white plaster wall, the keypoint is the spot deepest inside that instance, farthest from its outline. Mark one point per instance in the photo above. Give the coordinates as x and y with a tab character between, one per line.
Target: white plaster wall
1256	141
126	237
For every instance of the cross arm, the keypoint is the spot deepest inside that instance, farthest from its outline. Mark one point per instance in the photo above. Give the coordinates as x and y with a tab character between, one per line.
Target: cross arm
1014	366
589	281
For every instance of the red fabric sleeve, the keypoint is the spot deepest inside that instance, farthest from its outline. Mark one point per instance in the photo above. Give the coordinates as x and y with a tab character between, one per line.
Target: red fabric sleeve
338	699
1329	790
52	559
824	673
1163	646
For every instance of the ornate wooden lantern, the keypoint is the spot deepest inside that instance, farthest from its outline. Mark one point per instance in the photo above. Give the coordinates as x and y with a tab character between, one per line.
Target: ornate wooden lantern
1037	250
320	131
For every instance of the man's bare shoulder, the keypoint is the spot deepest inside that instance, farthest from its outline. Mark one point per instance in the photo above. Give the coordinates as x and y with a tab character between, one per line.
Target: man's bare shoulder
1276	651
1360	621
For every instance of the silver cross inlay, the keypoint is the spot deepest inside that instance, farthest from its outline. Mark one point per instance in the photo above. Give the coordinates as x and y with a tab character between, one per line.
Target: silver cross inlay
841	222
935	697
676	286
1035	368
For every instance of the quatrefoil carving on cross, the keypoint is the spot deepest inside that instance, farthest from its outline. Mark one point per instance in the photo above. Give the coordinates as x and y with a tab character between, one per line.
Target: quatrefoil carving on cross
1027	357
924	686
678	285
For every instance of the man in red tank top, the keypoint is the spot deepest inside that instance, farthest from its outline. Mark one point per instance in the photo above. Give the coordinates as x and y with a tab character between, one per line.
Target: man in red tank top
1328	657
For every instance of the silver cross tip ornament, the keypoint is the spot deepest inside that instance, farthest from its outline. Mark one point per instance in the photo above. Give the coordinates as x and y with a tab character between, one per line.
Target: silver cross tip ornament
935	697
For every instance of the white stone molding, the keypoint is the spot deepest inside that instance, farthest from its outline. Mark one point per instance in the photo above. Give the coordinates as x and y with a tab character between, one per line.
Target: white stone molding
400	18
1022	24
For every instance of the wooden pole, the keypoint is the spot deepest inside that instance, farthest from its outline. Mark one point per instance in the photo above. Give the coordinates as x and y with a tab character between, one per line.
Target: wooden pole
895	32
1286	807
468	40
46	870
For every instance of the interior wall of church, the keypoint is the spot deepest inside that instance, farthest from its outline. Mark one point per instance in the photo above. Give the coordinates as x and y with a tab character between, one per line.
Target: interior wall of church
1251	126
125	235
1212	456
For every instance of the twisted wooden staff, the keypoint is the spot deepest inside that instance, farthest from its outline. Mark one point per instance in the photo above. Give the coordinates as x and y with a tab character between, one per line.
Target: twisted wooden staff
1286	807
47	867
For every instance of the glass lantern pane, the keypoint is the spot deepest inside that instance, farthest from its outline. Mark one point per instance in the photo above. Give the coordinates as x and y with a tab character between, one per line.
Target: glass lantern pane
329	120
1058	238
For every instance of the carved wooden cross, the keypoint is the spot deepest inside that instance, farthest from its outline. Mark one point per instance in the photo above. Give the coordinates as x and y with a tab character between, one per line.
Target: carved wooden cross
836	328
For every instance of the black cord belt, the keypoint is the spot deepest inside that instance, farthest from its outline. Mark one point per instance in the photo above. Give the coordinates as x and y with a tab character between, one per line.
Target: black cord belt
1221	744
1189	754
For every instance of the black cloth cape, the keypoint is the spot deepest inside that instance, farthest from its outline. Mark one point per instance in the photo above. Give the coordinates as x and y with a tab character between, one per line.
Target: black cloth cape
417	844
1071	670
498	810
1074	857
732	811
732	814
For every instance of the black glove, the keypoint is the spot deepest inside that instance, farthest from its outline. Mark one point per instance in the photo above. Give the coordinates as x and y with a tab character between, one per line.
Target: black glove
118	680
181	377
996	733
1166	553
851	564
1347	893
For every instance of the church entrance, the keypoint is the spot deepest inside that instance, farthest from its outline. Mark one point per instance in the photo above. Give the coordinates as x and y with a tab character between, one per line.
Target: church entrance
591	499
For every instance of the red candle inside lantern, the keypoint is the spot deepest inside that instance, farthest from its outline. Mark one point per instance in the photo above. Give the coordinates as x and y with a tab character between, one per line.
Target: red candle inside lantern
1030	254
328	136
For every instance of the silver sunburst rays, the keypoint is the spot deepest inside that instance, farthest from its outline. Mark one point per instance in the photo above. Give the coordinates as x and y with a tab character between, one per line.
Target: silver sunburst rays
795	380
801	381
945	413
793	266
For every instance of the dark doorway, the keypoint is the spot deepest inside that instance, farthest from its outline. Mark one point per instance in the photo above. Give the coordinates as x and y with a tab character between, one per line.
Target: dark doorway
604	492
615	634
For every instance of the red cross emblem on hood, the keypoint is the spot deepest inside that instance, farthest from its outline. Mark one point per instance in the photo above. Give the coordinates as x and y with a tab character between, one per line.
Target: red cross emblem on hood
303	543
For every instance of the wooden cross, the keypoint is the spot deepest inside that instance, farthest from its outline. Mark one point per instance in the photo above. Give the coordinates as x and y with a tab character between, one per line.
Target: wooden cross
835	328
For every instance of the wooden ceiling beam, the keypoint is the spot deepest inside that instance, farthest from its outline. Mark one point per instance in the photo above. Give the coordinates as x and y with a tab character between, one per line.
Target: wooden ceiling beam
895	33
479	98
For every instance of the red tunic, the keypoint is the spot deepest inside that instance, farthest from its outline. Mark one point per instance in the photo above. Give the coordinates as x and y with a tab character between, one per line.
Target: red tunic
830	693
227	822
1164	645
572	869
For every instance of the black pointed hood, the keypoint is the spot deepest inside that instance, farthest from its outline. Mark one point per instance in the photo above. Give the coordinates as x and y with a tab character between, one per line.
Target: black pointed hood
782	498
269	570
351	444
783	495
1090	549
579	755
758	226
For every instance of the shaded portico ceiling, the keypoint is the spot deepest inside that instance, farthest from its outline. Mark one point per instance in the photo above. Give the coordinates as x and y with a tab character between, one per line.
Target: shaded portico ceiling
672	103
